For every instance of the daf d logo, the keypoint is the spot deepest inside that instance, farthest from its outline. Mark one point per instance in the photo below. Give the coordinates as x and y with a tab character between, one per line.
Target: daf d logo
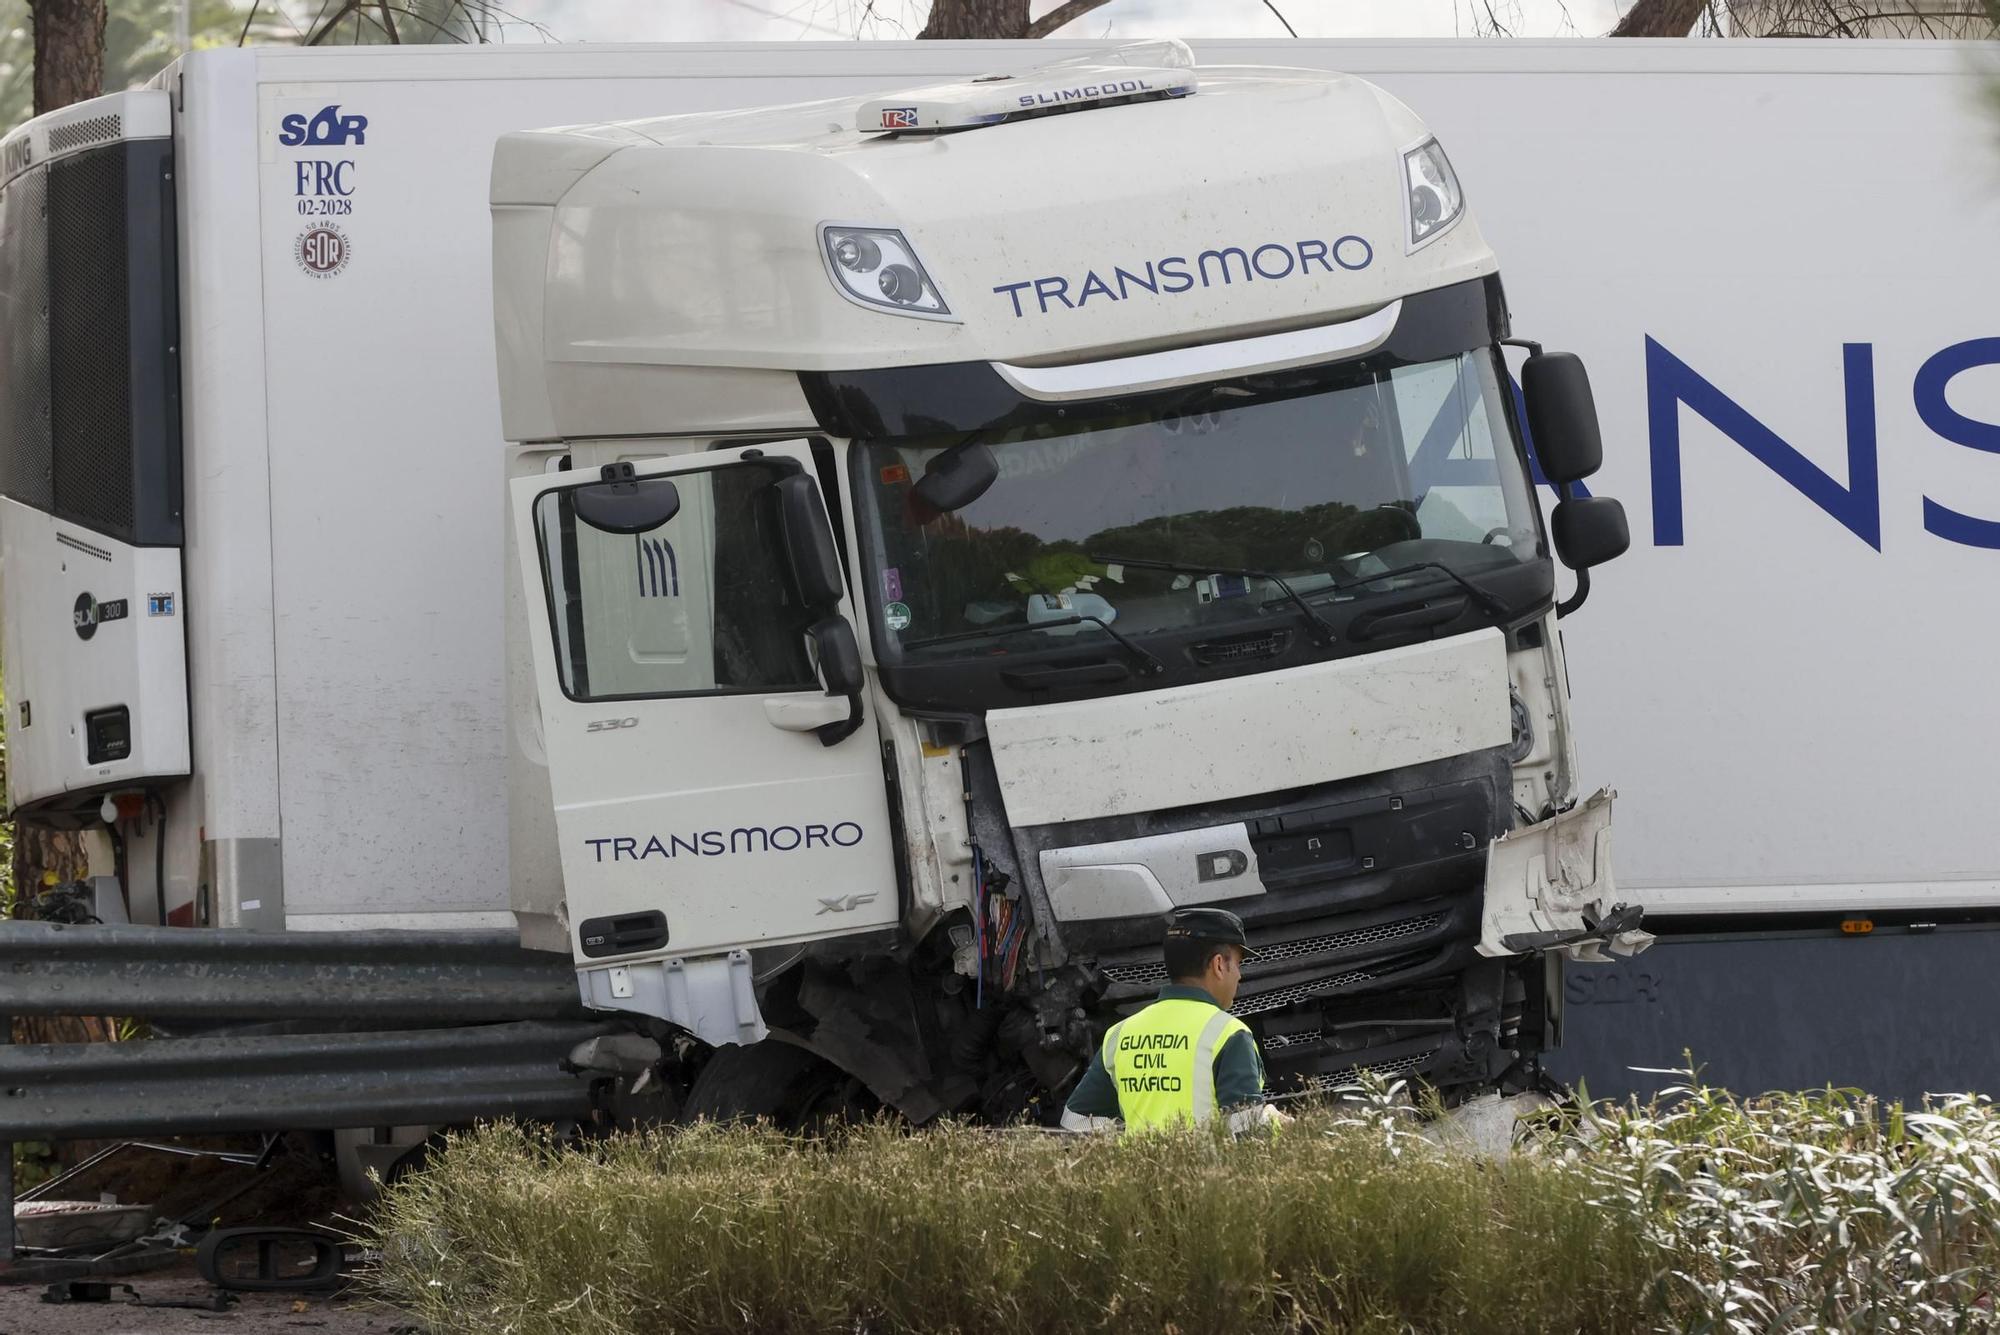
843	904
1221	865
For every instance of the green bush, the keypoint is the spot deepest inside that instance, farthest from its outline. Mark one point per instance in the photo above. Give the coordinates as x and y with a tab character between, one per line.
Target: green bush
1332	1226
1697	1212
1820	1211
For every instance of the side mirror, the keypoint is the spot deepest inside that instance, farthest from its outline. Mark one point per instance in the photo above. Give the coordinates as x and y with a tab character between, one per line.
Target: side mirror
840	669
1562	416
809	547
1589	530
623	503
957	477
839	656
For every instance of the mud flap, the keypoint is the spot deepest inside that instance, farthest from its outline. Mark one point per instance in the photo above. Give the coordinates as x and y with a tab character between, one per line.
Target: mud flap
1549	888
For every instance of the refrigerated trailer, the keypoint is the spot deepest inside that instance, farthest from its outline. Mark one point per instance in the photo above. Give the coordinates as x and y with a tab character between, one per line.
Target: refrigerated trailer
324	717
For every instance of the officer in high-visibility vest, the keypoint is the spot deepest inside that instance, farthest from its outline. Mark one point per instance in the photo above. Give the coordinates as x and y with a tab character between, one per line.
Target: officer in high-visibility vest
1184	1059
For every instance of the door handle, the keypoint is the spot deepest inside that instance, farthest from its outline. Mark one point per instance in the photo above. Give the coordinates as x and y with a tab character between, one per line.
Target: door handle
805	713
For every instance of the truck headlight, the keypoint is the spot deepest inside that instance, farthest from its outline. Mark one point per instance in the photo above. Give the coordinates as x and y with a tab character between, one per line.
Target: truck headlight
1435	198
878	267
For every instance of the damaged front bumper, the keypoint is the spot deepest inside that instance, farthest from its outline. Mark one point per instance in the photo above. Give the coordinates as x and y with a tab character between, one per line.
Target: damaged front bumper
1549	888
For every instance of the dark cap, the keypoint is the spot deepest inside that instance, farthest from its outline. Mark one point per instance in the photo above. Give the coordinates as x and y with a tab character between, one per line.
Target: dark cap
1217	925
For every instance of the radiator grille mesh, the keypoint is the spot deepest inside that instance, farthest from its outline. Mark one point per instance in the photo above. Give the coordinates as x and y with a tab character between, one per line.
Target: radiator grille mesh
77	134
1385	1070
1285	996
1154	971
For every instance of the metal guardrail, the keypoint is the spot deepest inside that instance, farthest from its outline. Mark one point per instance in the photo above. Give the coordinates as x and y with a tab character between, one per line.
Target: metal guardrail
180	973
199	1086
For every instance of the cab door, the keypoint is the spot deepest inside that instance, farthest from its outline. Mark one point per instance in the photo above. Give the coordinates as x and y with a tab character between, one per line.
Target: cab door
710	792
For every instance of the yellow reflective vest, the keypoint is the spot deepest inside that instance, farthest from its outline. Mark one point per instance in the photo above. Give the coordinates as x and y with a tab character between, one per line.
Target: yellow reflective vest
1162	1062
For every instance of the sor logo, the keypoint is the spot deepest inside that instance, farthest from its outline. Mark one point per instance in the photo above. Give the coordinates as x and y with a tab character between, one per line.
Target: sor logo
329	127
322	250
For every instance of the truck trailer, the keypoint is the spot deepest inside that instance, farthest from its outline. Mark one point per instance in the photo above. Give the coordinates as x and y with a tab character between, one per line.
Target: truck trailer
374	734
914	598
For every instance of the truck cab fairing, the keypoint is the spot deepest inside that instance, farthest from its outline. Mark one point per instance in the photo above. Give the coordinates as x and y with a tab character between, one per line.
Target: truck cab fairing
699	242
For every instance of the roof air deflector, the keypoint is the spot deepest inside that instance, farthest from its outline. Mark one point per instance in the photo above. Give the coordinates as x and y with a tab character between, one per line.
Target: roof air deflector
1134	72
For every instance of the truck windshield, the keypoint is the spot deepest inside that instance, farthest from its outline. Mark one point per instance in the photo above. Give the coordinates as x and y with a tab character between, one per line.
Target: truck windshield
1411	466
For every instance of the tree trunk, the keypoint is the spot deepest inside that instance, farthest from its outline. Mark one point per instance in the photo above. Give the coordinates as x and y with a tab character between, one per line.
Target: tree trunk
1660	18
69	51
956	20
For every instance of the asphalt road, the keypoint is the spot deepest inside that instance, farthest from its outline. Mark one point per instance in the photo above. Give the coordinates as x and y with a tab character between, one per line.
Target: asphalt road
22	1312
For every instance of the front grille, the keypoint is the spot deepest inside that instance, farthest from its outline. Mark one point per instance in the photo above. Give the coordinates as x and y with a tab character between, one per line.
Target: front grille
1388	1070
1285	996
1240	648
1136	973
1303	948
1379	934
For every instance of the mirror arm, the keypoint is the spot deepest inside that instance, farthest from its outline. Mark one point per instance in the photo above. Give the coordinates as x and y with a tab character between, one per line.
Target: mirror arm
1564	492
1575	600
833	734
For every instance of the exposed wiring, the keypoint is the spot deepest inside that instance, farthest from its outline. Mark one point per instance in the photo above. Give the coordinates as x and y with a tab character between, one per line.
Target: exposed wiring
1010	949
979	929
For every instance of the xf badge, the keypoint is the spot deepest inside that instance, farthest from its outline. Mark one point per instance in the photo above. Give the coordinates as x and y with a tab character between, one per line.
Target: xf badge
843	904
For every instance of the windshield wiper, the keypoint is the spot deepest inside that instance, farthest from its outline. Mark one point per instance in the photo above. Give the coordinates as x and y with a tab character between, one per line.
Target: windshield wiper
1148	665
1321	634
1487	602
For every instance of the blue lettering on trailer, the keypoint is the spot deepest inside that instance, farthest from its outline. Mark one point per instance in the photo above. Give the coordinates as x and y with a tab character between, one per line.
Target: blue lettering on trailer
1932	379
327	129
319	177
1855	504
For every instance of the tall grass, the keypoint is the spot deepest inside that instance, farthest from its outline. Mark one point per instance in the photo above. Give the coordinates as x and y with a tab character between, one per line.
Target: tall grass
1326	1228
1821	1211
1698	1212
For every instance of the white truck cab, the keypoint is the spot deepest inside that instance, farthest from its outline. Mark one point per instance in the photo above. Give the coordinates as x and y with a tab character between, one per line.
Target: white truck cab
959	527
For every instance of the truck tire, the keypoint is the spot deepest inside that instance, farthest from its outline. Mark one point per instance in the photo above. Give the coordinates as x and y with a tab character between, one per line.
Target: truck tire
778	1082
